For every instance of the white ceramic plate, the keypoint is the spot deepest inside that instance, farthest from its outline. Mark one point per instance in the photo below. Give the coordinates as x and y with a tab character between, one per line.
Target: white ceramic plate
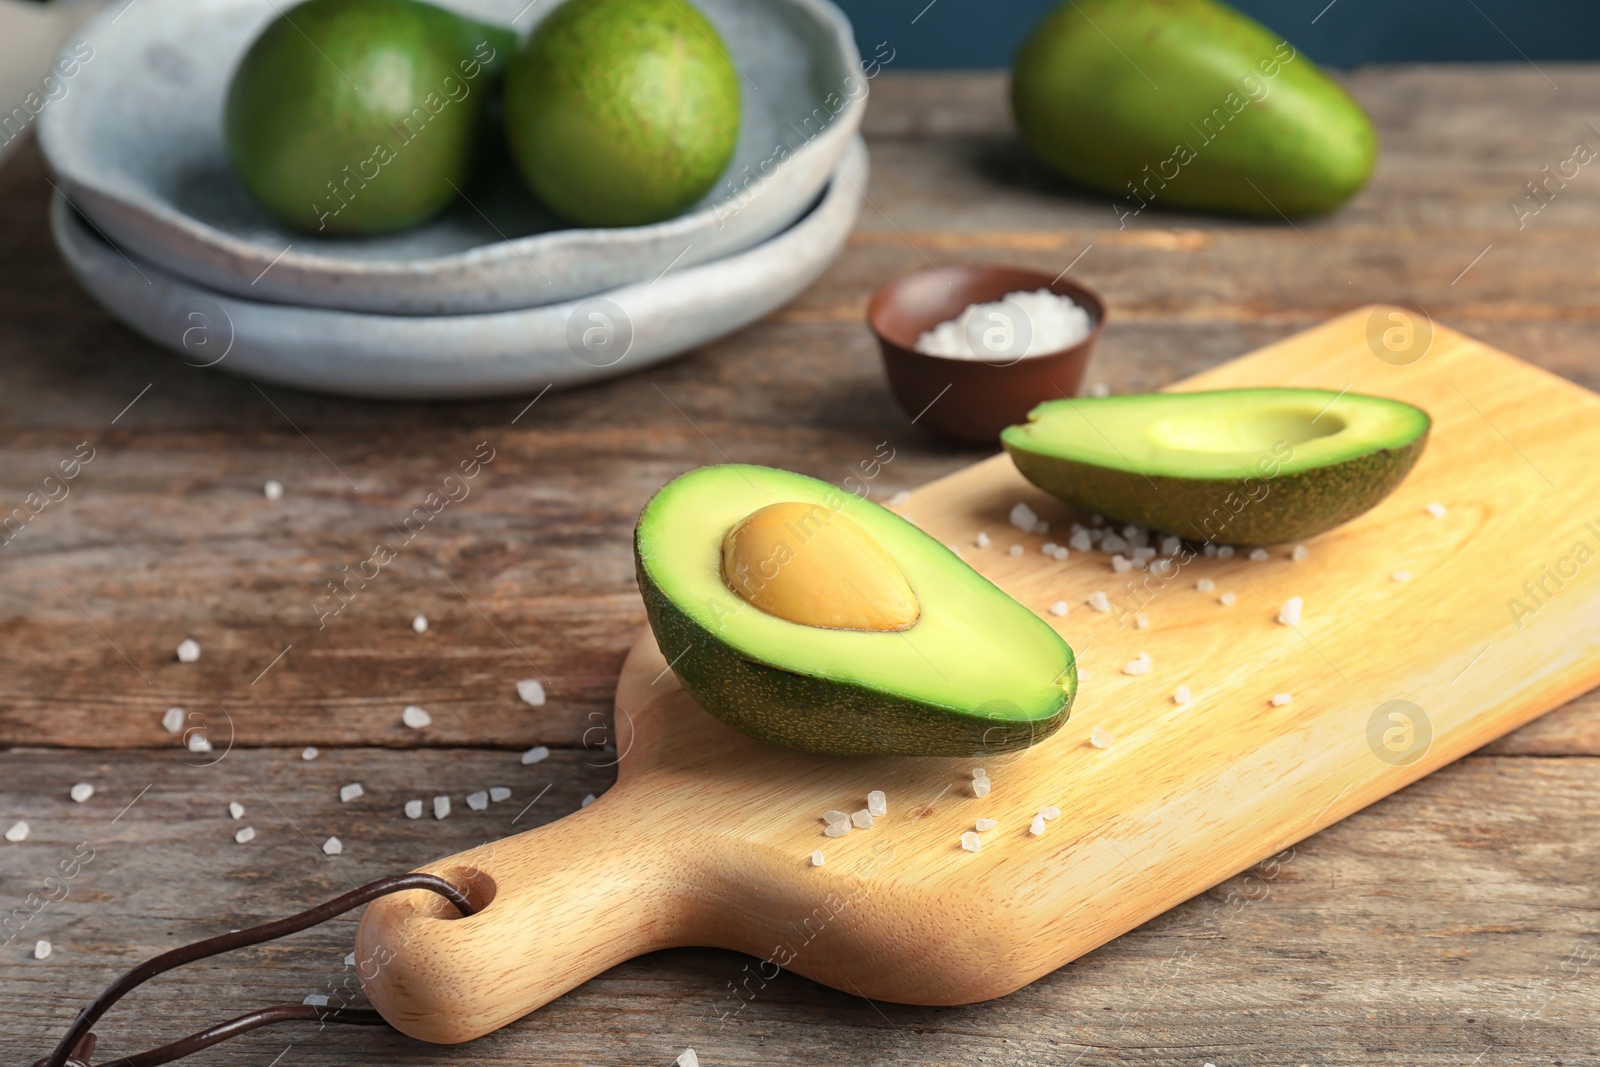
453	356
137	145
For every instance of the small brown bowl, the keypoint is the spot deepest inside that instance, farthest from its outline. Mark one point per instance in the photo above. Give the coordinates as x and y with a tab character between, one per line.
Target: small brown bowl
969	399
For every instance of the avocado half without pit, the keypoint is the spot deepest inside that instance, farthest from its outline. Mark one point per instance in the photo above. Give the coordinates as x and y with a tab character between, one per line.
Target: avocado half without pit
810	618
1235	466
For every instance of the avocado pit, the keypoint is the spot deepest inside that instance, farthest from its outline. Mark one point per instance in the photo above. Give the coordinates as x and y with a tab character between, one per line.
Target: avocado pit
811	565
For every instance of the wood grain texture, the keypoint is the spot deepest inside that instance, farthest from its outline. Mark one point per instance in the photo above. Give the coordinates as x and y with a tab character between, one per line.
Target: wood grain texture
1420	931
707	836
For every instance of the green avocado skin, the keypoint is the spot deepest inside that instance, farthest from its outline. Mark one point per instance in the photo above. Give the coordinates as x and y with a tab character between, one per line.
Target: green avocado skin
1258	511
622	112
360	116
827	718
1187	103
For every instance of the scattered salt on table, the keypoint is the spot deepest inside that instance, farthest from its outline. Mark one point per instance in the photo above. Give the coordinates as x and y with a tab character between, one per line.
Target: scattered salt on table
878	803
309	753
1227	599
1280	699
1181	695
81	792
1259	555
332	846
272	490
1099	738
1289	615
1048	812
985	824
862	819
589	798
478	801
347	793
245	835
415	717
1436	510
536	754
41	949
980	787
172	720
235	809
1205	585
17	832
420	624
413	809
1058	608
497	793
1400	576
971	841
838	829
531	690
816	858
188	650
1036	828
1014	550
1299	553
441	807
1099	602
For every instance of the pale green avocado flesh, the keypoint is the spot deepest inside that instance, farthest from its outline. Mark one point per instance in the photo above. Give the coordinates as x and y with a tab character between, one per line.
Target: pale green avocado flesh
976	673
1236	466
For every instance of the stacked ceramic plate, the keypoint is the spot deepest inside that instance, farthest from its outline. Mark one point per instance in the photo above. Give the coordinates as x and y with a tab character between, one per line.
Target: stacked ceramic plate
493	296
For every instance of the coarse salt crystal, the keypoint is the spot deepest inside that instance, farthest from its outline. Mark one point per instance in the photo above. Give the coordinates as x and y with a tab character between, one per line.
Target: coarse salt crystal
1225	552
1080	541
81	792
1436	510
413	809
687	1058
188	650
197	742
1058	608
1170	545
1099	602
1205	585
350	960
1136	667
316	1000
1289	614
531	690
1112	543
1299	553
985	824
536	754
982	540
1142	621
1209	550
900	498
1099	390
1047	548
347	793
1014	550
235	809
834	815
309	753
1400	576
1059	553
497	793
332	847
862	819
588	798
1099	738
878	803
272	490
817	858
1145	554
41	949
979	772
1023	517
1280	699
1119	565
1181	695
1048	812
1259	554
441	807
1036	828
971	841
17	832
172	720
980	787
1227	599
415	717
478	801
245	835
838	829
420	624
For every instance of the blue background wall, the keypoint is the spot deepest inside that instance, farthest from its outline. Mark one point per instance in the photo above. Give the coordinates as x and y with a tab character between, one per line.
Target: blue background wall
985	33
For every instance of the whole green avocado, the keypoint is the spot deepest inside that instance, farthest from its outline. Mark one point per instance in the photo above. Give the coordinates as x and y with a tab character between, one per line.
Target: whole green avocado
622	112
360	116
1187	103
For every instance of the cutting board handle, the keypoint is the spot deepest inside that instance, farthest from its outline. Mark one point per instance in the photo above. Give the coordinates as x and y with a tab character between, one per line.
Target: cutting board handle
558	905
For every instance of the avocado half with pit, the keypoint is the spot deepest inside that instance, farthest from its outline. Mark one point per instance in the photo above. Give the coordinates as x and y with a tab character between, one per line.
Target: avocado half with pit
1234	466
808	617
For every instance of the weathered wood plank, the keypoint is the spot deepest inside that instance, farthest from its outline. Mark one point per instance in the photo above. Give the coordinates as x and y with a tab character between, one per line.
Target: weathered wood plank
1447	920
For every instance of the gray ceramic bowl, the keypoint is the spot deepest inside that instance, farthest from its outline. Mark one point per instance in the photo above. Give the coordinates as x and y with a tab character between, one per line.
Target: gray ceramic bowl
451	356
137	147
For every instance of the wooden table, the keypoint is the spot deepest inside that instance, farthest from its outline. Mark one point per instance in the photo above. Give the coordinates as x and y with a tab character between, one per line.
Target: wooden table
1450	924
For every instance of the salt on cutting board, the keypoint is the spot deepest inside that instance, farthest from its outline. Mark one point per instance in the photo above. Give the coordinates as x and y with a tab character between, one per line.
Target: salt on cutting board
708	837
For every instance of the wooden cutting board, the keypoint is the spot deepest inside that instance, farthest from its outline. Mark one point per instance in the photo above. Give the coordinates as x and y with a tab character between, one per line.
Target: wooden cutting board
707	837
